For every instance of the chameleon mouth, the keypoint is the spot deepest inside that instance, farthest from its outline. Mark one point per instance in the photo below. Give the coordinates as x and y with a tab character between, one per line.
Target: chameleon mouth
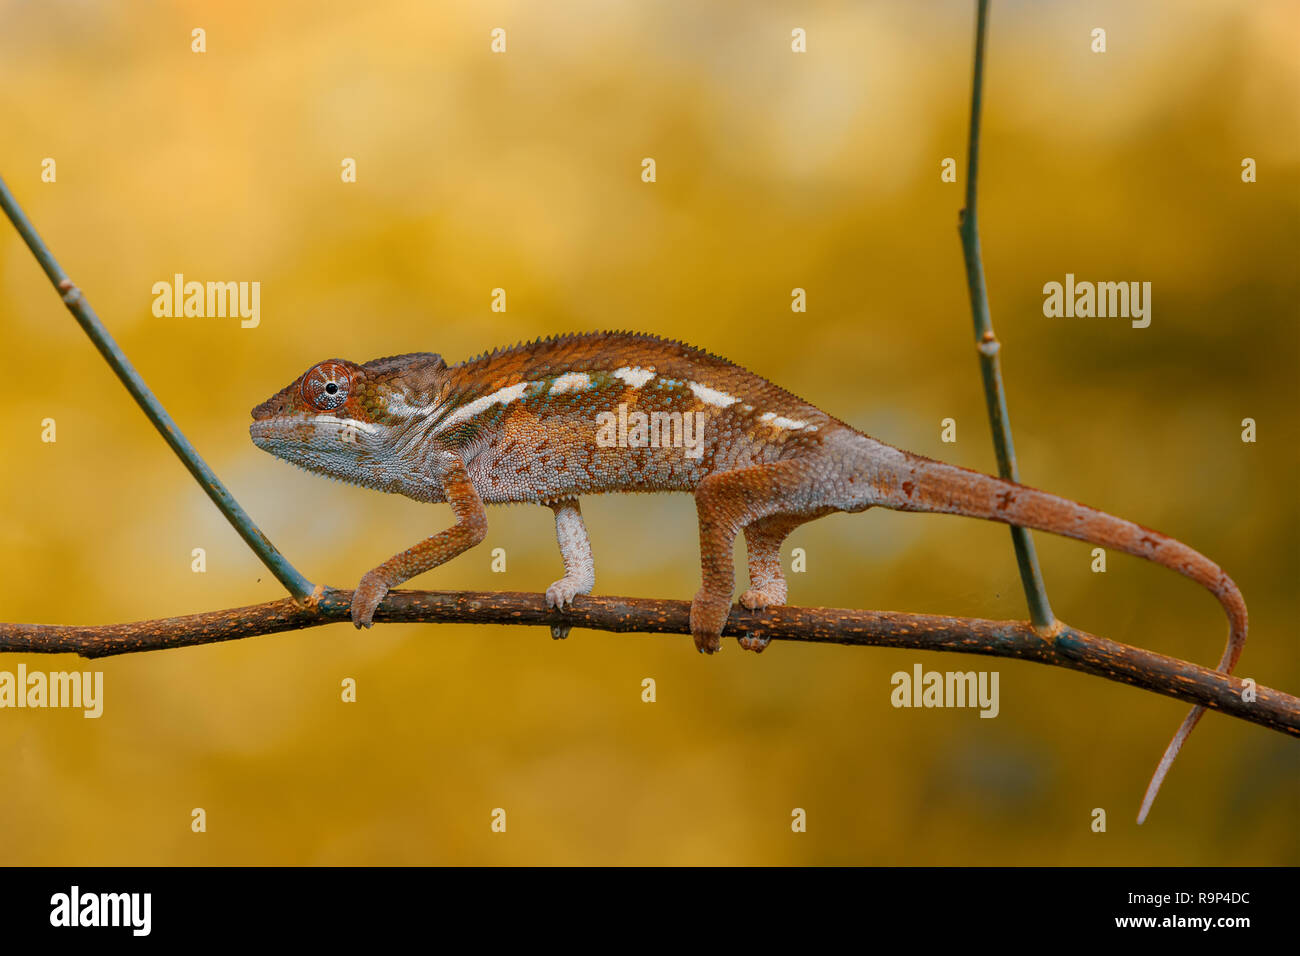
267	436
280	440
270	434
310	435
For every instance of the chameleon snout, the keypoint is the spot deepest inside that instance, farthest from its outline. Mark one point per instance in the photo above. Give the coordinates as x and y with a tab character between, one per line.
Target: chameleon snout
265	417
267	409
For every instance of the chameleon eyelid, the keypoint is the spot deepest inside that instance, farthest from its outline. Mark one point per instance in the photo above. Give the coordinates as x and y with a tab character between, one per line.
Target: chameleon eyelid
317	382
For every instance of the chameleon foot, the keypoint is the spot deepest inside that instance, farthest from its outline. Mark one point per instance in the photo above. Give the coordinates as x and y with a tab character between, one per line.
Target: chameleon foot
561	595
708	615
770	595
562	592
365	599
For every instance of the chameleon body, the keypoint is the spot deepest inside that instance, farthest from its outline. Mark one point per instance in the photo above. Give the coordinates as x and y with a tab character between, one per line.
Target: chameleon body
549	421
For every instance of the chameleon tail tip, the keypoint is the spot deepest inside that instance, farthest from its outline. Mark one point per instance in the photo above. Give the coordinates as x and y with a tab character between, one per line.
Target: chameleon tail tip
1167	761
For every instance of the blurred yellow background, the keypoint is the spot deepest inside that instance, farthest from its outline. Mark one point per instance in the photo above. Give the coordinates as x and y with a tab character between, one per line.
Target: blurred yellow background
774	171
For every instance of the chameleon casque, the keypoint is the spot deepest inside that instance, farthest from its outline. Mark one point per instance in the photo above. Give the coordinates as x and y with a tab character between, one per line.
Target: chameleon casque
524	424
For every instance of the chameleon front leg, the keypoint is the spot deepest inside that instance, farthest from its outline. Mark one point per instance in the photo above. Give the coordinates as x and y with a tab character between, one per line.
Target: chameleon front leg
575	549
579	568
470	529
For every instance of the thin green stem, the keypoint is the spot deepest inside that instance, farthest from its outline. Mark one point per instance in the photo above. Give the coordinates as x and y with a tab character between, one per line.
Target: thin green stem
1040	611
278	565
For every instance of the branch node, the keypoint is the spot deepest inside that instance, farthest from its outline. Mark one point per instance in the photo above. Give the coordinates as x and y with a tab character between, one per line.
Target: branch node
1050	631
71	294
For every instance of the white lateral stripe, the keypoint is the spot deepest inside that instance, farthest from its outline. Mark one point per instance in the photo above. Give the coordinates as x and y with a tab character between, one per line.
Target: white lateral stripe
400	406
503	396
346	423
571	382
711	396
636	377
778	421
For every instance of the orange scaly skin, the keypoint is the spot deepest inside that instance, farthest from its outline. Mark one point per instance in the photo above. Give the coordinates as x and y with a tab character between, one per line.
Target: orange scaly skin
534	423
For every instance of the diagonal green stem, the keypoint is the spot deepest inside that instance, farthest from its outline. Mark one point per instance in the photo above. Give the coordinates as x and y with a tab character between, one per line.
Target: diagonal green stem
1040	611
287	574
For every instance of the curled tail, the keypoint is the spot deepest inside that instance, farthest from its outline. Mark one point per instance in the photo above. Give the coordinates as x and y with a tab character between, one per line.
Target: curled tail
922	484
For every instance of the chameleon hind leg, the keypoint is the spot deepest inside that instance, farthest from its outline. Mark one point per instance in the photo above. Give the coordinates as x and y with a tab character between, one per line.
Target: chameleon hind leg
767	587
763	540
728	502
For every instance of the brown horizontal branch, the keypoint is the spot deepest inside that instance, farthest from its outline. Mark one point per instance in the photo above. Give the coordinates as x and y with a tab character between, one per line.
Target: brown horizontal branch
1070	648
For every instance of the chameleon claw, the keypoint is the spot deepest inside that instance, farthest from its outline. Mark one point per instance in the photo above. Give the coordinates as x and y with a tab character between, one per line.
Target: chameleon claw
708	617
561	594
556	602
365	600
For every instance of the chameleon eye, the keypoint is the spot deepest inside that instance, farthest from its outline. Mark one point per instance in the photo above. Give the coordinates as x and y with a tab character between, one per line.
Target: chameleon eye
326	386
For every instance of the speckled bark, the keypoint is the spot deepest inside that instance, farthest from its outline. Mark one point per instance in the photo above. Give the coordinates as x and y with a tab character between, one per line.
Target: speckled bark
1070	648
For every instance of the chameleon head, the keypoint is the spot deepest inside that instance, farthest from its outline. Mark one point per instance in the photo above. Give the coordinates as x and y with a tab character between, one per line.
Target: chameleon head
344	420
